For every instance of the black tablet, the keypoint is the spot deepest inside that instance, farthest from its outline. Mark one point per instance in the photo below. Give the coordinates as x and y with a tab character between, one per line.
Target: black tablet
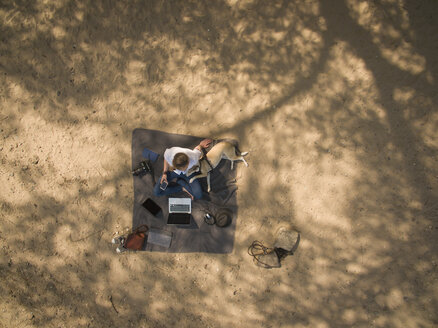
151	206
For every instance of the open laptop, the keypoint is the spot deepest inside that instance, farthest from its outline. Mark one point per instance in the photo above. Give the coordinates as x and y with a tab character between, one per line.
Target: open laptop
180	210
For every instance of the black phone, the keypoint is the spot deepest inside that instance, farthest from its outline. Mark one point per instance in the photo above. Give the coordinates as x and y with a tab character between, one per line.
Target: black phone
163	185
151	206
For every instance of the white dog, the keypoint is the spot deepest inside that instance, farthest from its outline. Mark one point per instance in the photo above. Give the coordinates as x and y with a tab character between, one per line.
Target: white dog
223	149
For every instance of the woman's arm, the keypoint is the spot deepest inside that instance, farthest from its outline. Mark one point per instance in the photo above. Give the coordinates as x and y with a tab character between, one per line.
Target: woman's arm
166	167
203	144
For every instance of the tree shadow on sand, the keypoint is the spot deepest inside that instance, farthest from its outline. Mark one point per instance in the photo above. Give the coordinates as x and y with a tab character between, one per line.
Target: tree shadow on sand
353	105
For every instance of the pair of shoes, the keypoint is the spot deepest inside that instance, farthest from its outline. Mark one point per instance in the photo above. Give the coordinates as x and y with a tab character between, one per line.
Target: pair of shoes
121	249
121	241
118	240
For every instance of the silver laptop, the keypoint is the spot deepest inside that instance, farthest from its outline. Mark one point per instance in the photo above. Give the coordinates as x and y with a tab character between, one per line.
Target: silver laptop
180	210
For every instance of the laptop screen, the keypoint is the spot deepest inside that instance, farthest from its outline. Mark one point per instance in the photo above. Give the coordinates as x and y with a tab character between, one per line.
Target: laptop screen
178	218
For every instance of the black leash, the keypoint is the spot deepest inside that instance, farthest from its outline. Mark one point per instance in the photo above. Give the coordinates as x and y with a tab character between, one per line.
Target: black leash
204	158
258	250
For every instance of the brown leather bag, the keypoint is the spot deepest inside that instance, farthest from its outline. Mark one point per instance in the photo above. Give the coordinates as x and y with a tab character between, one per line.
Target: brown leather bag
135	240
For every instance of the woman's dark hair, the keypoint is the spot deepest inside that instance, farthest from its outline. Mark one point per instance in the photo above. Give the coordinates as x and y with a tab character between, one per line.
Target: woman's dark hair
180	160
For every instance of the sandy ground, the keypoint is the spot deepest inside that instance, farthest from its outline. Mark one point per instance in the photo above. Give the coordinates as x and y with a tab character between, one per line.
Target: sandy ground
336	102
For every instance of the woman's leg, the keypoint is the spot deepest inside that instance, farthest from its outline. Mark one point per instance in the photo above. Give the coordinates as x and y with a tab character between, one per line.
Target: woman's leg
196	189
193	188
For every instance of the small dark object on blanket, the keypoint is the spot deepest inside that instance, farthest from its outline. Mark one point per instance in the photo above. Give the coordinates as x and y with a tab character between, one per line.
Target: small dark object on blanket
151	206
143	168
209	219
223	218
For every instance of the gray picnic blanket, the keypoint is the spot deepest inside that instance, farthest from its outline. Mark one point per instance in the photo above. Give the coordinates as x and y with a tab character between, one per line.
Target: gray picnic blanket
198	236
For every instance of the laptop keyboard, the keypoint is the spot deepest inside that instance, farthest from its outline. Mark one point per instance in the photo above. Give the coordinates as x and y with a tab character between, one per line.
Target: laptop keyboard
182	208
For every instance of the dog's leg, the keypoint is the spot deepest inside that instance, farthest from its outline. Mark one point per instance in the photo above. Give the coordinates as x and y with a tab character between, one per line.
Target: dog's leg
241	157
208	182
246	164
197	177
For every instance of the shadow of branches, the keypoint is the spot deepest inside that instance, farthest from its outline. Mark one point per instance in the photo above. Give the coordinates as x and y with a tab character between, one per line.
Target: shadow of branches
336	103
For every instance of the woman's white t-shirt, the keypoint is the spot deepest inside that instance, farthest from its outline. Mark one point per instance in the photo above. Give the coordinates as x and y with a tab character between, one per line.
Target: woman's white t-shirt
193	156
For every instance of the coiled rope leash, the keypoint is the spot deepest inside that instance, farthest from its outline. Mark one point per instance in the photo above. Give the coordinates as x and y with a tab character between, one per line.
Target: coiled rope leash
258	250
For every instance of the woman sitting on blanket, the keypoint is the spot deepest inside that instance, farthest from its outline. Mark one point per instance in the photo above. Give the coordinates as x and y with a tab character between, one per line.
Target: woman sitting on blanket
177	162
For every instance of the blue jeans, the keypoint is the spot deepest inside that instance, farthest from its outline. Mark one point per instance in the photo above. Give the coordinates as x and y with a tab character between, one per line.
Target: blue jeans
174	187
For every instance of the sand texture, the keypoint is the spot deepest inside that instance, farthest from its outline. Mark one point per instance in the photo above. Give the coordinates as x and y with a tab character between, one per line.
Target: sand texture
336	101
